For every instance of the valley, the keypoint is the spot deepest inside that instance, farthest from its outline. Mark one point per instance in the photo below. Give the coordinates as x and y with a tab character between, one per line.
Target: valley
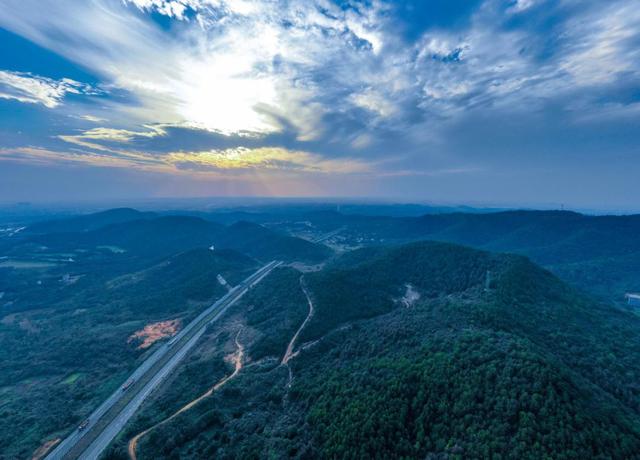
403	346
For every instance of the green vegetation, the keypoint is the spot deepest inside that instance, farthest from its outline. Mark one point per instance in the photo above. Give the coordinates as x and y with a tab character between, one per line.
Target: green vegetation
527	369
25	264
600	254
277	308
72	378
89	222
361	286
477	395
265	244
77	346
270	313
166	235
497	358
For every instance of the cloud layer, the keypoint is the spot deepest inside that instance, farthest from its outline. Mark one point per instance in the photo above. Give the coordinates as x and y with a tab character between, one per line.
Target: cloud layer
34	89
386	87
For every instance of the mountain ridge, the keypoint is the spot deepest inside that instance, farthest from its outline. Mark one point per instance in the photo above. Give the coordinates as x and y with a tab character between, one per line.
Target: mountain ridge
528	368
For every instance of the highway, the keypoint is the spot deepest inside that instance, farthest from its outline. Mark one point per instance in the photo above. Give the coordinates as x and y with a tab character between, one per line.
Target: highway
103	425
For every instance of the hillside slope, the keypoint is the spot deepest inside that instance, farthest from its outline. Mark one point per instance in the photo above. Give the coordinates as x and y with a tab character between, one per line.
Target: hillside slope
573	245
527	368
162	236
260	242
89	222
80	345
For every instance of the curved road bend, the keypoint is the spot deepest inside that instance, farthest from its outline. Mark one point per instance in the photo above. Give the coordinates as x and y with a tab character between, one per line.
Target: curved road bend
238	359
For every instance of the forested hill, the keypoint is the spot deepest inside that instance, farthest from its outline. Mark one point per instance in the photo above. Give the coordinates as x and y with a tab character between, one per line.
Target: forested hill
148	235
371	281
260	242
89	222
411	353
548	236
598	253
526	368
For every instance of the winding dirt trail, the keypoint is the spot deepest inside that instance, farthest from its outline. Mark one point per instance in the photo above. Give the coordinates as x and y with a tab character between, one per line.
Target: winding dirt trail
290	353
238	360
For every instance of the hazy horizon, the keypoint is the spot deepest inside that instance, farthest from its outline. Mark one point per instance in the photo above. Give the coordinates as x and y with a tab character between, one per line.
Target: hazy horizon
213	203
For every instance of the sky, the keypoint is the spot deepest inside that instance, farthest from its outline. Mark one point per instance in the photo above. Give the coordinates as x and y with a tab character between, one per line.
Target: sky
520	102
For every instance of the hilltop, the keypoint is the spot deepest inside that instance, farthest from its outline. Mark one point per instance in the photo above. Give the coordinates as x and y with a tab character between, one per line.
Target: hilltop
600	254
523	366
144	235
87	222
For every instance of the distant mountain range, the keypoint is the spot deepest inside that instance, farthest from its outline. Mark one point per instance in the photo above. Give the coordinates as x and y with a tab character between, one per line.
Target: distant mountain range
161	235
598	253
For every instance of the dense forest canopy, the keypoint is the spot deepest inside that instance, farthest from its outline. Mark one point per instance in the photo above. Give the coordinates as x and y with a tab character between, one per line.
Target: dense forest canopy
371	342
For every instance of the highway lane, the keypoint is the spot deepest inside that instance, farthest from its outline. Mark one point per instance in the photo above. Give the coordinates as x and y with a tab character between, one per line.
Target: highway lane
73	439
108	419
117	424
181	349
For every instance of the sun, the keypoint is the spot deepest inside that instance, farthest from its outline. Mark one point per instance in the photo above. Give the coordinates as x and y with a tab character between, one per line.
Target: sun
227	89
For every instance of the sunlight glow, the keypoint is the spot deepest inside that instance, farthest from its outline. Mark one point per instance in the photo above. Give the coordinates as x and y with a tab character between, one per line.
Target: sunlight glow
227	88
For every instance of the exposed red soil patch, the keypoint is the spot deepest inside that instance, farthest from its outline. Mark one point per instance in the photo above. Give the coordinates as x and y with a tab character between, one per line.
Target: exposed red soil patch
153	332
44	449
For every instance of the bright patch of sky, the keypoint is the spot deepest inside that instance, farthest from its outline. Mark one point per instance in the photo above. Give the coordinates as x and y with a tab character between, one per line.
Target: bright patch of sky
485	98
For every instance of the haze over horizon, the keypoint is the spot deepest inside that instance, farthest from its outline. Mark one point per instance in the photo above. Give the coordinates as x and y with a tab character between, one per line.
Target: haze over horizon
504	102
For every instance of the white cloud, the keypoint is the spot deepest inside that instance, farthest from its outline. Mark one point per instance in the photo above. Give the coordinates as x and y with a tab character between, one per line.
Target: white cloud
178	8
93	118
34	89
242	66
171	8
603	44
266	158
310	67
120	135
375	102
94	138
238	160
522	5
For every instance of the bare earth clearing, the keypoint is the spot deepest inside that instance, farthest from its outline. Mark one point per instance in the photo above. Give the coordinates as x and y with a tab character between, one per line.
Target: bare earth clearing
153	332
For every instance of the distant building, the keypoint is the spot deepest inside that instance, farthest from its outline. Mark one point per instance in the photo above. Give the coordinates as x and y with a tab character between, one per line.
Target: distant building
633	299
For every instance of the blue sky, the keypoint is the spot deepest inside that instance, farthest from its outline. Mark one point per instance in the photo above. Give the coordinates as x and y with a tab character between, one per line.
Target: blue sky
530	102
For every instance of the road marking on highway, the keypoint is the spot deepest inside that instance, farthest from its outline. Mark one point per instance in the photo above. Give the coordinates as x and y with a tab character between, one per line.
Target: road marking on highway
176	352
